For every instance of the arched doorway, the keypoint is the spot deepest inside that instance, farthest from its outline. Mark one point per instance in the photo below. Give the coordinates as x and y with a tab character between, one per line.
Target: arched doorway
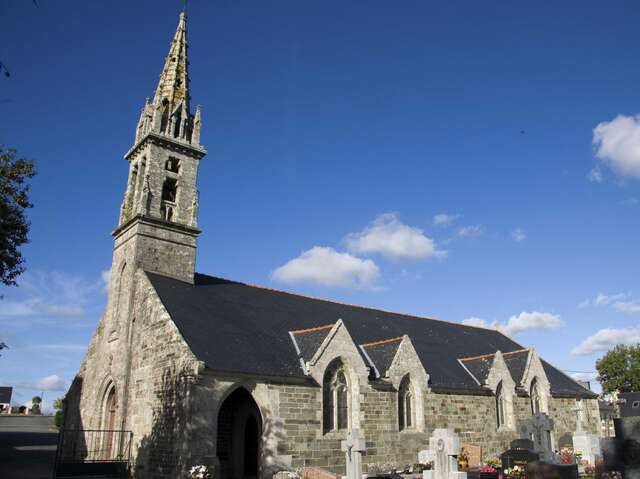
239	432
109	423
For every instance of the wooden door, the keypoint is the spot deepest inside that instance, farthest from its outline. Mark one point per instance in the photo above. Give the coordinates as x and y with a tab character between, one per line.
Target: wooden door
110	423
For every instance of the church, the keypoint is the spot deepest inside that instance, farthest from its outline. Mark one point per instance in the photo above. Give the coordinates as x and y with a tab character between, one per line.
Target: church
187	369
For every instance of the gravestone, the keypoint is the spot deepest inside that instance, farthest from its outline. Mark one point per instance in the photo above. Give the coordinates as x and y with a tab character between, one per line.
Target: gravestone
538	428
474	454
519	454
588	445
445	446
353	448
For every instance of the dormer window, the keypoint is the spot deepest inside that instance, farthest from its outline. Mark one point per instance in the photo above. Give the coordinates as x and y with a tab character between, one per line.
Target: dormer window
172	165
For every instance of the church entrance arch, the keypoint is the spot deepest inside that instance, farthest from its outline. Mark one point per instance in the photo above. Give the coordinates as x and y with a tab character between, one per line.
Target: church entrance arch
238	440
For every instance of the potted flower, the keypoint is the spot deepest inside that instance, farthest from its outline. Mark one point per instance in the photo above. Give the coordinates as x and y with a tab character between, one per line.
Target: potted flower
200	472
488	472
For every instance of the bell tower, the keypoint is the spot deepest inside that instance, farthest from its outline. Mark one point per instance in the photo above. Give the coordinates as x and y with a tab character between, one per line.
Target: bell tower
157	228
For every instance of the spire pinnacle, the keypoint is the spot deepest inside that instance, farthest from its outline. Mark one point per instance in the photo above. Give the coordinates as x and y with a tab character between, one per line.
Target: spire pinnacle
173	87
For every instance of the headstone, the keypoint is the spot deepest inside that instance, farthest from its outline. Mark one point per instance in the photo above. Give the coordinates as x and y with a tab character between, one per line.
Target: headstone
446	447
474	454
538	428
353	448
588	445
518	457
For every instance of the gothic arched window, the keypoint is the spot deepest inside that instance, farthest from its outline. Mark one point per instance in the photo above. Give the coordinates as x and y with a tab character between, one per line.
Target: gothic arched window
501	406
405	405
335	390
534	394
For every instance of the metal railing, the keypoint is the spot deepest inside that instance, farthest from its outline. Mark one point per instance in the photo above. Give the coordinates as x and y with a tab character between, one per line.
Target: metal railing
77	447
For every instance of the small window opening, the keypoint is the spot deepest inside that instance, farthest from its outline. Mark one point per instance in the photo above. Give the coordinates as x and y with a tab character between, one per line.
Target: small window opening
636	404
169	190
172	165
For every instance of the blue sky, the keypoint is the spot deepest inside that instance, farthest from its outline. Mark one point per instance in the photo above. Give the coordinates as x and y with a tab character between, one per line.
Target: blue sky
337	133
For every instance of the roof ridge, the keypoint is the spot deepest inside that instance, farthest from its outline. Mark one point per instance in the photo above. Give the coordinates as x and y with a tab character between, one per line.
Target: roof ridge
381	342
469	358
316	298
312	330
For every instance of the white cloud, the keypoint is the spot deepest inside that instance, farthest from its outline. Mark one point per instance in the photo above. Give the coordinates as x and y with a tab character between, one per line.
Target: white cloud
595	175
48	383
470	231
617	144
474	321
603	299
630	201
606	339
51	294
393	239
327	267
620	302
531	320
518	235
444	219
518	323
106	279
627	307
584	376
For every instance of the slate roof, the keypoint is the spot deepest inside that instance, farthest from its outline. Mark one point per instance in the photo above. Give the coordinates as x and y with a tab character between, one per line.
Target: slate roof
479	366
382	353
5	394
237	328
516	363
309	340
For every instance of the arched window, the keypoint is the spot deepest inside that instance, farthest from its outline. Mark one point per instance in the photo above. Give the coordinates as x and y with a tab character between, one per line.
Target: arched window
169	195
405	405
173	165
501	406
335	408
534	394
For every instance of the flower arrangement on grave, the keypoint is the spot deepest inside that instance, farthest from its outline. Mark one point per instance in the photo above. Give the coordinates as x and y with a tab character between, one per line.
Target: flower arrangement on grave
567	458
492	461
515	472
589	470
200	472
382	467
487	469
463	459
612	475
420	467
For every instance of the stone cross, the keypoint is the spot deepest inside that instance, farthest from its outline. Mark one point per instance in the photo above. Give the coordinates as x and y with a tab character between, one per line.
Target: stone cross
353	448
578	410
446	447
538	428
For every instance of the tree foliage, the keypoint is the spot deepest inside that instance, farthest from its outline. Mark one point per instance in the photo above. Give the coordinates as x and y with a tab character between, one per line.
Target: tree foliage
14	200
35	404
619	369
58	405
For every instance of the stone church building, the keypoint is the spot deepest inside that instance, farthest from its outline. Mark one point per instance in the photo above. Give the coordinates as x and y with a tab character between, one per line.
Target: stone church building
250	380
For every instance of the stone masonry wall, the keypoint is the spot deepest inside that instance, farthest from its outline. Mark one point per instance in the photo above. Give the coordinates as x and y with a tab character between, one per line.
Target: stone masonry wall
472	417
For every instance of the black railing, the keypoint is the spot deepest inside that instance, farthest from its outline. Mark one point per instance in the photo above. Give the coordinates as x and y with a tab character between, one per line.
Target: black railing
93	452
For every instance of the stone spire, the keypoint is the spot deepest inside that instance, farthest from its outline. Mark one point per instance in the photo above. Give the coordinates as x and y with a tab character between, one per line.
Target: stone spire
170	111
174	79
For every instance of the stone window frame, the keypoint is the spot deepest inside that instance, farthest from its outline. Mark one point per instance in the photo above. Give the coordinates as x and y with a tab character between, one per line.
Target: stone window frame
406	405
535	397
335	370
501	383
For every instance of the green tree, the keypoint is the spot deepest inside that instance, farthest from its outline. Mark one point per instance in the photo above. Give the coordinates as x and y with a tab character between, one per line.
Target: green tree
619	369
58	405
14	200
35	404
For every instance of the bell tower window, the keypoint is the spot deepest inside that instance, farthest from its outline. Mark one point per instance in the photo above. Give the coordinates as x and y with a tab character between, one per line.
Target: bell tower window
168	201
172	165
